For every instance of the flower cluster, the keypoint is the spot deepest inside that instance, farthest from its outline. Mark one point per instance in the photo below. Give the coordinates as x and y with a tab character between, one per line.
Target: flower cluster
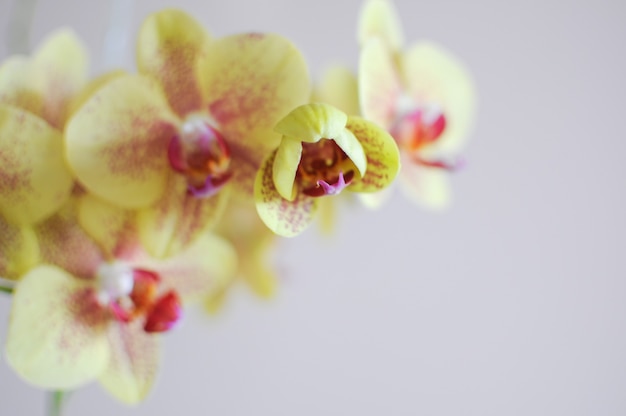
127	196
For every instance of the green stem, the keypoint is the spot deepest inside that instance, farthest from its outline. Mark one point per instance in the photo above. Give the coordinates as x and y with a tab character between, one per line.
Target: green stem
56	401
8	290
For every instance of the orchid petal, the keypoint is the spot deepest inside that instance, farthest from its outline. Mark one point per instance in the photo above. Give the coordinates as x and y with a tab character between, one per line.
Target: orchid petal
206	266
434	76
34	179
312	122
179	218
169	46
117	142
285	167
383	157
379	83
250	82
57	331
64	243
91	87
19	250
379	18
283	217
45	84
339	88
351	146
425	186
375	200
134	363
110	226
62	61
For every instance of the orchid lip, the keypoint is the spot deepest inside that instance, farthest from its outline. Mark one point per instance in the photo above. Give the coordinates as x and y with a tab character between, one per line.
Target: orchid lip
324	188
200	153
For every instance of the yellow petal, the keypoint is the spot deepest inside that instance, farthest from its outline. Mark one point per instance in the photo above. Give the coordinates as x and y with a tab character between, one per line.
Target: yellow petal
91	87
214	303
117	142
253	242
285	167
57	333
19	85
206	266
283	217
312	122
425	186
45	84
339	88
375	200
19	250
62	62
379	83
436	77
383	157
134	363
64	243
352	147
250	82
379	19
178	219
34	179
107	224
169	46
328	213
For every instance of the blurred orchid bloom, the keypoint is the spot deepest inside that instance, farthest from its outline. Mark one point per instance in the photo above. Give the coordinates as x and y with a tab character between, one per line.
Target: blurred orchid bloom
95	308
422	95
35	98
322	152
254	244
198	117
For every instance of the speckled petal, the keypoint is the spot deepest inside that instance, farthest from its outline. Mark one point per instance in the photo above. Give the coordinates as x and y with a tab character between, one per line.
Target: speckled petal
64	243
134	363
169	46
117	142
19	85
112	227
250	82
34	179
425	186
379	83
62	62
205	266
436	77
57	332
312	122
91	87
45	84
383	157
379	19
283	217
339	88
178	219
19	250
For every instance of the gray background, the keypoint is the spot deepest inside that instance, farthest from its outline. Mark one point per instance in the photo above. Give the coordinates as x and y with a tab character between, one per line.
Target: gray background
513	302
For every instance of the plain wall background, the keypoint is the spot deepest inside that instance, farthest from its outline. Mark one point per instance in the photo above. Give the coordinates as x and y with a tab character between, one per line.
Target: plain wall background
513	302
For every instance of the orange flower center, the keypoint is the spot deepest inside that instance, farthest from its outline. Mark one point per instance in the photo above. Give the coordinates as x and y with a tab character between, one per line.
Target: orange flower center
418	129
324	168
130	293
200	152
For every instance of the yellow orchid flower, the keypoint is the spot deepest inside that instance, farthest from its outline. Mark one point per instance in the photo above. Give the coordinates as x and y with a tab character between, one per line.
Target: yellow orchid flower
198	116
254	243
93	314
423	95
35	97
322	152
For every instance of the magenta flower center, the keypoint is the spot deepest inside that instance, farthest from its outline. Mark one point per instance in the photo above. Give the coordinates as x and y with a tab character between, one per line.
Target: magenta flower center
200	153
324	169
132	293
